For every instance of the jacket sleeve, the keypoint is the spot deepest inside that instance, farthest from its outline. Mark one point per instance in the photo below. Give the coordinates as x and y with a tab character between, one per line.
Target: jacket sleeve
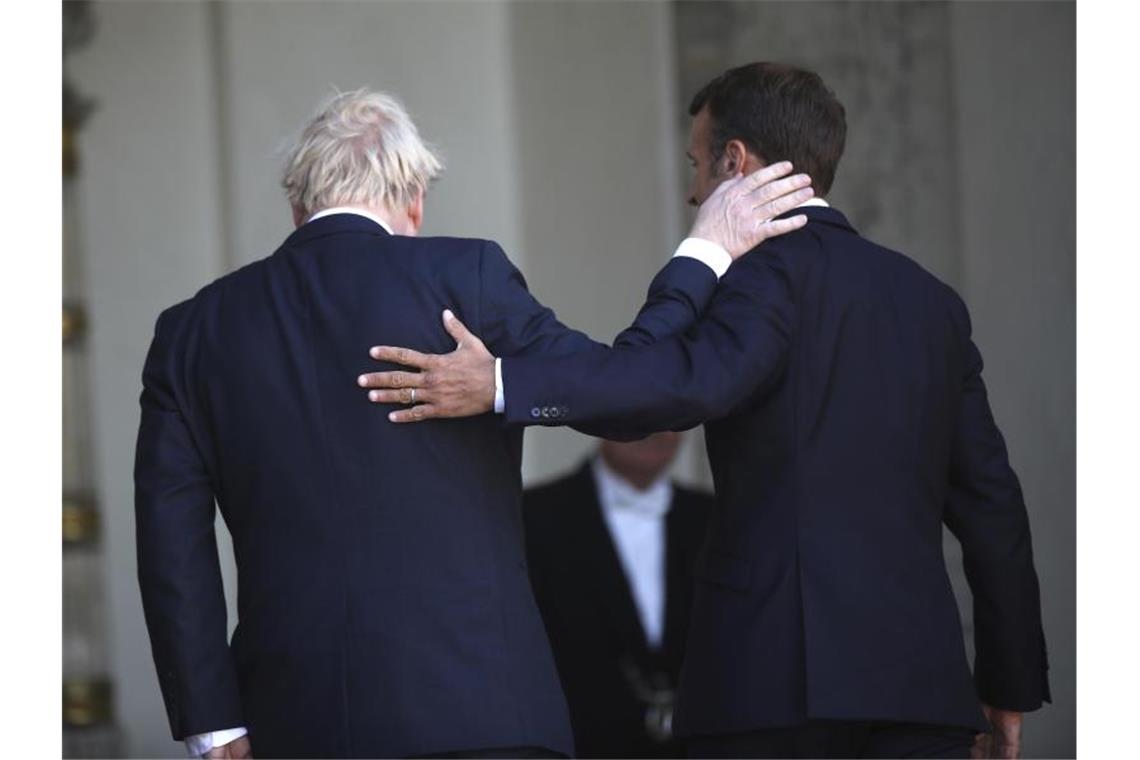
678	381
986	512
179	575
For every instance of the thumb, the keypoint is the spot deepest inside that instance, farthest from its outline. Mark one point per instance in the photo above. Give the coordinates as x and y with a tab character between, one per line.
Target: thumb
456	329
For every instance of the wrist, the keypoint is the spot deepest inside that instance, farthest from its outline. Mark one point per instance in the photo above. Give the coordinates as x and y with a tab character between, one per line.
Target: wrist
709	253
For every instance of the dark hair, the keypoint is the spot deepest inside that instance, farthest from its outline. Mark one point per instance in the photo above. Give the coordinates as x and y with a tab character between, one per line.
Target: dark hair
780	113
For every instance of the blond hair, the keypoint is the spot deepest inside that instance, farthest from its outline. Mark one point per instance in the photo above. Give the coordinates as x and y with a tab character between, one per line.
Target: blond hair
361	149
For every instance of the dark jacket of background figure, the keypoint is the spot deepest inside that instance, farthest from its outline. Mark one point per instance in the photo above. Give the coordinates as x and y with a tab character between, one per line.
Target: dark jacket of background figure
384	605
847	423
601	651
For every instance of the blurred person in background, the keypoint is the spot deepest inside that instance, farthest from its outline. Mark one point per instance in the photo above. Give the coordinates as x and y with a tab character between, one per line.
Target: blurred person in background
847	422
611	549
384	608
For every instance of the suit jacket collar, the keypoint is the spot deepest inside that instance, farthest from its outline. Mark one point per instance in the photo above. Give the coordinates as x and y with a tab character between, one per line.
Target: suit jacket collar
601	566
334	224
821	214
679	562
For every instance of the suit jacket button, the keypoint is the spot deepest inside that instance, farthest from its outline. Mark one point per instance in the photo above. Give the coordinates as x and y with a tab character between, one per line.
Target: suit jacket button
535	413
546	411
554	412
564	411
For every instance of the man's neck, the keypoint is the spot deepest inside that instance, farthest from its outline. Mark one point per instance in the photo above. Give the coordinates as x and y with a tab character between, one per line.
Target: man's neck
640	480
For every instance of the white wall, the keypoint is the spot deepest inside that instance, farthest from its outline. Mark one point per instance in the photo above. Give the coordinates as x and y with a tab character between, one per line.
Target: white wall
601	201
180	172
448	61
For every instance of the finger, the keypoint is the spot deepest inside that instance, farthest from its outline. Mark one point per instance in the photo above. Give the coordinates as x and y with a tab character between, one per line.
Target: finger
778	189
1006	751
402	396
784	204
417	413
777	227
405	356
765	175
395	379
457	329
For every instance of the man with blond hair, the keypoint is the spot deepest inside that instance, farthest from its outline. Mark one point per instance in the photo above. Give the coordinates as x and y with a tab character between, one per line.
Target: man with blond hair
384	608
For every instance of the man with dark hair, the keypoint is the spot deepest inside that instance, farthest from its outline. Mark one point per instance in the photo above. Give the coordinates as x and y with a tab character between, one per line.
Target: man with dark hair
769	109
846	423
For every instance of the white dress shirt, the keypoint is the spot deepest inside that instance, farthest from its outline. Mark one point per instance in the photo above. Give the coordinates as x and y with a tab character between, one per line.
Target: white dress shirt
704	251
636	520
352	210
199	744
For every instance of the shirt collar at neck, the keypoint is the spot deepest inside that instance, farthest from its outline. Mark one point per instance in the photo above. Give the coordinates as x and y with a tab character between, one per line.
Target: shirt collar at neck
351	210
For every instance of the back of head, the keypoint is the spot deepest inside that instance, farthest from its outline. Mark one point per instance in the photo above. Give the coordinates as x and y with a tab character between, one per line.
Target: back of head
361	149
780	113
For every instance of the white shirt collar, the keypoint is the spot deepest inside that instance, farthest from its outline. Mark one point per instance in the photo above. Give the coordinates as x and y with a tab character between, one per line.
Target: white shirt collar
815	202
352	210
618	495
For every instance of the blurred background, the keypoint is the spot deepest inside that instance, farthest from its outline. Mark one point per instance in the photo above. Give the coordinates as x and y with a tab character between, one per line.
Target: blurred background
563	128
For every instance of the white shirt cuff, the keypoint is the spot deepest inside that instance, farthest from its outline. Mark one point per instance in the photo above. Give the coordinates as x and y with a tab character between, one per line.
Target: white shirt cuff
500	399
199	744
707	252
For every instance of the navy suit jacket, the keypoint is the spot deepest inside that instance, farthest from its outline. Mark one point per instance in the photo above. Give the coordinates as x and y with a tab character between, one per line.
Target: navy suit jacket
847	422
384	607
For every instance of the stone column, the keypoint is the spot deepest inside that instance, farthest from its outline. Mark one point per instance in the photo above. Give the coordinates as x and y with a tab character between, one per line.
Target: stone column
88	716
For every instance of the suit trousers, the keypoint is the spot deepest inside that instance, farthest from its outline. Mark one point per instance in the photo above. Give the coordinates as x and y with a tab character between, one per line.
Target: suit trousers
839	738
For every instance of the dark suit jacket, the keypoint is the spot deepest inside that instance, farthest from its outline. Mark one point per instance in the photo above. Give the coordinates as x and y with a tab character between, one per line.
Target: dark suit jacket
599	646
384	604
847	422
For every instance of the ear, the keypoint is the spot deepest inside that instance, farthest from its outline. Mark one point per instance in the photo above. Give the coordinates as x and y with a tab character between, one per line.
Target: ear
735	156
299	215
416	212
